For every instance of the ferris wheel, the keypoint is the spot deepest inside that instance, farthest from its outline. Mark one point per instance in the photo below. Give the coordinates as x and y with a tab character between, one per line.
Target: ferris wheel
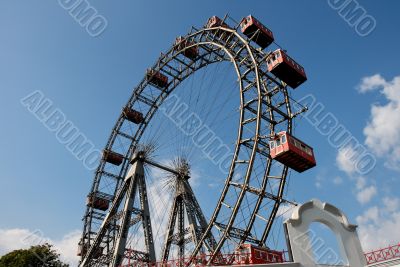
197	162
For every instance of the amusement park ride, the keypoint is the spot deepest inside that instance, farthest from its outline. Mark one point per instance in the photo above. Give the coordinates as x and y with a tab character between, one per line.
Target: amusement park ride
265	142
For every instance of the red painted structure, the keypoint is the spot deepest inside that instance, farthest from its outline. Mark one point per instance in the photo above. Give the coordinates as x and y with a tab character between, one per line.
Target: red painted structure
133	115
112	157
380	255
97	202
189	51
292	152
156	78
286	69
246	254
250	254
215	21
249	25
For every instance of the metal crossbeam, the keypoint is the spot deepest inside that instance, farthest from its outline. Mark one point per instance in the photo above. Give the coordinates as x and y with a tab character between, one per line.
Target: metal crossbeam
238	233
259	192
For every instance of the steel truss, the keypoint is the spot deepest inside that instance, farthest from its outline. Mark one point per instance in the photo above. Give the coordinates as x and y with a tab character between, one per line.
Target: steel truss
185	203
133	183
264	107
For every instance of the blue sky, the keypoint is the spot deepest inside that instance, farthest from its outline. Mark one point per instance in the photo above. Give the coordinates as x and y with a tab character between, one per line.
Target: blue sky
43	186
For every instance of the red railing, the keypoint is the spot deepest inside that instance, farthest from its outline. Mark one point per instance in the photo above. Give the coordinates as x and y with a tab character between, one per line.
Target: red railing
225	259
222	259
389	253
376	256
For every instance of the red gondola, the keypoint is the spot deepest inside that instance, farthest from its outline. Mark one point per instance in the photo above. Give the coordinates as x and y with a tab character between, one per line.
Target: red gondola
292	152
215	21
189	51
250	254
249	25
133	115
113	157
286	69
97	202
156	78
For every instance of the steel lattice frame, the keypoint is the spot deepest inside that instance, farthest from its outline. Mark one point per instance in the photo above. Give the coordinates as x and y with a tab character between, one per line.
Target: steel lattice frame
264	107
184	200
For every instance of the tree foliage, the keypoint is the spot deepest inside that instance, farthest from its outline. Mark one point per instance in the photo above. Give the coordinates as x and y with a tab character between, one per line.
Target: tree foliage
35	256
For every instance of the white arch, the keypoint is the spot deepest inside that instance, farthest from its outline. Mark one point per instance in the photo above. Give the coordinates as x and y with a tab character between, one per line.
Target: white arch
298	231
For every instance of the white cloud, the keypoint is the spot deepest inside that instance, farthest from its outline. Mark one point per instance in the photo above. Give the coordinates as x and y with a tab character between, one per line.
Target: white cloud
318	181
371	83
378	227
67	246
344	160
360	182
366	194
391	204
370	215
382	132
337	180
11	239
213	185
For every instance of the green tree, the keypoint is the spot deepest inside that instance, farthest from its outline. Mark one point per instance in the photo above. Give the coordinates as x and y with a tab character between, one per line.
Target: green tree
35	256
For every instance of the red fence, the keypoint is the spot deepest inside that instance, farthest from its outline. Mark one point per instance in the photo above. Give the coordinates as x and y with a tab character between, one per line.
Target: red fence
384	254
220	260
376	256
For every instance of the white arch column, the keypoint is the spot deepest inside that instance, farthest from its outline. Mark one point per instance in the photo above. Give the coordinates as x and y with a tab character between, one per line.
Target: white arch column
298	234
